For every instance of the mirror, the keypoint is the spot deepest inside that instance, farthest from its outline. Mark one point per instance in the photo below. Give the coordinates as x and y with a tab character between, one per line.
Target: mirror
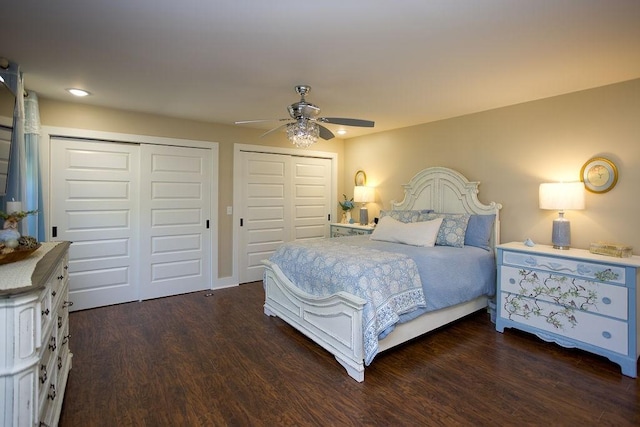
7	104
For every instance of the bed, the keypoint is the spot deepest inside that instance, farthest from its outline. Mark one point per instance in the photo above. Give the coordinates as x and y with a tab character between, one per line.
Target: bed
341	322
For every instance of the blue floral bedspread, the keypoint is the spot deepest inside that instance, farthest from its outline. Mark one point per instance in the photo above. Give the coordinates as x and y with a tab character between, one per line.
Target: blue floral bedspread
389	282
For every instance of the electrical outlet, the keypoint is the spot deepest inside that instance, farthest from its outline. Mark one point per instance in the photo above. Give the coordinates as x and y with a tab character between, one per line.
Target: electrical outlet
229	210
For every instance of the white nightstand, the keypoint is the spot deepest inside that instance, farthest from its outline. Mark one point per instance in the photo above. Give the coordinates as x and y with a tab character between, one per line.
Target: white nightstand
573	298
339	230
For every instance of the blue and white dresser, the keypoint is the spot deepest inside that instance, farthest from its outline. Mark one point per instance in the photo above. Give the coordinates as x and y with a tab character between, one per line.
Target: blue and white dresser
573	298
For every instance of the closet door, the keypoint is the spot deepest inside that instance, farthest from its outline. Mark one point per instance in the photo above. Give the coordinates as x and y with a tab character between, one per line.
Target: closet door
138	217
94	204
284	198
266	211
175	201
311	190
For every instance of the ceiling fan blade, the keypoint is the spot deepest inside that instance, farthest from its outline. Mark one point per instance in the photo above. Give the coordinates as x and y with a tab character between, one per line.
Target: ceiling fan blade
324	132
347	122
244	122
272	130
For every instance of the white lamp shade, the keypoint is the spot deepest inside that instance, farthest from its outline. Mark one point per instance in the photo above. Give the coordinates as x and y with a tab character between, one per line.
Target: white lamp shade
562	196
362	194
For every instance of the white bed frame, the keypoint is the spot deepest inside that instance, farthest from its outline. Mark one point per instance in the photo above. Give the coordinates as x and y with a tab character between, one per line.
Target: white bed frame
335	322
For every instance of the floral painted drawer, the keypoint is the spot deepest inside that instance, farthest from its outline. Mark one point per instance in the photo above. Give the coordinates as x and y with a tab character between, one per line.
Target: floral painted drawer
571	297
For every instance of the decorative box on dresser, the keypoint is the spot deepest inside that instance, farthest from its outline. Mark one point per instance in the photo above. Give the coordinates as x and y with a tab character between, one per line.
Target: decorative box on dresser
573	298
339	229
35	358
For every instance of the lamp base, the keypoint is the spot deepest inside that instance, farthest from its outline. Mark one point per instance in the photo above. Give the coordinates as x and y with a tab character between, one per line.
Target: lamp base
561	234
364	216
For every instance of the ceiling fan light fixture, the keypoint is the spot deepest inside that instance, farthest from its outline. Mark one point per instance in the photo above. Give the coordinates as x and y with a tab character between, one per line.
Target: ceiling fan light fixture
303	133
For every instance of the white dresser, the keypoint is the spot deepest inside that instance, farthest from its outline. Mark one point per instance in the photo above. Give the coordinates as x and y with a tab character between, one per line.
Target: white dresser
35	358
572	297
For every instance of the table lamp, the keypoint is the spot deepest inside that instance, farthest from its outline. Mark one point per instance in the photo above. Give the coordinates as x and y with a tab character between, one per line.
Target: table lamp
561	196
364	195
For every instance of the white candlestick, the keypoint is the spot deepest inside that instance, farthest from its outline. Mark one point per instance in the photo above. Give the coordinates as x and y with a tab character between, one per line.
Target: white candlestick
14	207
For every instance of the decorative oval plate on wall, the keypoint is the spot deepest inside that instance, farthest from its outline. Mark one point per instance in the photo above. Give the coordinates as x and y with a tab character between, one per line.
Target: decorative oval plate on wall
599	175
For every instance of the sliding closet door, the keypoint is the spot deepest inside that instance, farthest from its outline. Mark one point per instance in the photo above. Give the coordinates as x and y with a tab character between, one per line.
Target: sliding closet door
284	198
175	221
138	216
94	204
266	212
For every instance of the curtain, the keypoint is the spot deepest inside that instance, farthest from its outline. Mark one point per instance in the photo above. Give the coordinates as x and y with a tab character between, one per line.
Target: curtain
33	225
24	180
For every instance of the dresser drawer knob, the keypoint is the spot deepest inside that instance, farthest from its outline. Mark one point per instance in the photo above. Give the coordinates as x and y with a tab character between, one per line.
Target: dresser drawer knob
52	392
512	281
606	300
606	334
43	376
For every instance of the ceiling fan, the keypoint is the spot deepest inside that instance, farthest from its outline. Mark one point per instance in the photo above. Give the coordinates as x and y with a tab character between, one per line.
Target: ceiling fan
304	126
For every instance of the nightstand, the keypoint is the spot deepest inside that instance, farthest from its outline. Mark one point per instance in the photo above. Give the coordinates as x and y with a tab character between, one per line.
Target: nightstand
573	298
339	230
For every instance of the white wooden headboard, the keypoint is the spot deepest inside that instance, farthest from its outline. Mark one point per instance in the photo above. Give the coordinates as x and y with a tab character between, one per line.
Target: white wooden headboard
447	191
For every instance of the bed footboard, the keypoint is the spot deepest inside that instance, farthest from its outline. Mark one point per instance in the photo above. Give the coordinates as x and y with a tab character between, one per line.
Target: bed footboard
333	322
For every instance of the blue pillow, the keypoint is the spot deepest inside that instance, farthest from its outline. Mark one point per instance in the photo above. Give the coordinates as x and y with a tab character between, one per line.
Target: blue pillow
406	216
452	230
479	231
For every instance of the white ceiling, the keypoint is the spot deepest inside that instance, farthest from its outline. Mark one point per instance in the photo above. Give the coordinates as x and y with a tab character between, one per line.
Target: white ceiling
399	63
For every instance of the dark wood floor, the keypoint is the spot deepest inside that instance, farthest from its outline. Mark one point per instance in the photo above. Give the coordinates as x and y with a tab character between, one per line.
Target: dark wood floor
193	360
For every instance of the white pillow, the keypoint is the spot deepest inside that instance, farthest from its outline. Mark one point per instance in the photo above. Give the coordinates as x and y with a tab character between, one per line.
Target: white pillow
413	233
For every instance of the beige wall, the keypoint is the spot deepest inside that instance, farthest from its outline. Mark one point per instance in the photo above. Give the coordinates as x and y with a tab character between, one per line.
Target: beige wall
78	116
509	150
512	150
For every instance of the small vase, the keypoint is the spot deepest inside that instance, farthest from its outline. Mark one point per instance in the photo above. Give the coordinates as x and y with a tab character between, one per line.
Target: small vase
347	217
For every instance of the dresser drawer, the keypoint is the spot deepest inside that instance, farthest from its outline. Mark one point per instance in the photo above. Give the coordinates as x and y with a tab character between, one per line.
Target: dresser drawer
600	331
567	291
576	267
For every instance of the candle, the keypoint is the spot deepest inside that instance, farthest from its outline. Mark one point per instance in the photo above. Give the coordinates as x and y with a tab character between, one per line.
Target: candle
13	207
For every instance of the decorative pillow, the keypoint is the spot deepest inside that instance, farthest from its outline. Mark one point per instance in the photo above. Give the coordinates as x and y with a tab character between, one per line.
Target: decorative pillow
479	231
414	233
406	216
452	230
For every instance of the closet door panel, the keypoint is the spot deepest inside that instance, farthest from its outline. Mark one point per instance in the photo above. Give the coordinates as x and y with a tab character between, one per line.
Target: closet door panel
94	204
176	205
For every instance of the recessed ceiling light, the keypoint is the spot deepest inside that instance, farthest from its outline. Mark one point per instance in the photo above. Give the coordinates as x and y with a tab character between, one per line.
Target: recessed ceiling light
341	132
78	92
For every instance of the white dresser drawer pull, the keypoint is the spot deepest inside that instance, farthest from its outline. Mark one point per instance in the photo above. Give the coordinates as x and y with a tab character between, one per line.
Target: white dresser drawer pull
606	334
606	300
52	392
43	377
